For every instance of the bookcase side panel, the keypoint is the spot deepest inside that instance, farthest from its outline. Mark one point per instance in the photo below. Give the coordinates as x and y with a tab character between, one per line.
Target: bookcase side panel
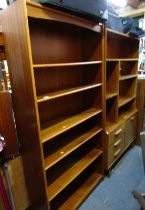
19	61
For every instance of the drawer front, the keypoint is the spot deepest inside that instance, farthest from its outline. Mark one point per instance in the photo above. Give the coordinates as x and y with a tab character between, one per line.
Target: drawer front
115	150
116	134
130	129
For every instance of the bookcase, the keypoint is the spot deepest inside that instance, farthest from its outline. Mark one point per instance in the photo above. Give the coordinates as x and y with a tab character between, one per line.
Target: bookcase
57	71
121	79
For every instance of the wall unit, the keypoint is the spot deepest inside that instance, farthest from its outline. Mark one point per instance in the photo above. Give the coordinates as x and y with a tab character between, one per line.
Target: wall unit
121	75
57	67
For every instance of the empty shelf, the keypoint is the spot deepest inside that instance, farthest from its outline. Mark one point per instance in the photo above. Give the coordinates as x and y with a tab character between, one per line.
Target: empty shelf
126	115
67	124
121	59
63	181
124	100
63	152
66	92
110	95
124	77
81	193
66	64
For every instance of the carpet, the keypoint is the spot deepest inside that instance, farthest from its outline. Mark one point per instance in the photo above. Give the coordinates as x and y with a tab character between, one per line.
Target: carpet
115	192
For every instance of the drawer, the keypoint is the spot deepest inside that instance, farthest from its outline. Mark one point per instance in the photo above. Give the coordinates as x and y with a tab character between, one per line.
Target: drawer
130	129
115	150
117	133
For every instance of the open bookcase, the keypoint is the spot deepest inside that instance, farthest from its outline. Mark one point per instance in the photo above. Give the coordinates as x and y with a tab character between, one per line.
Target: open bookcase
57	67
121	79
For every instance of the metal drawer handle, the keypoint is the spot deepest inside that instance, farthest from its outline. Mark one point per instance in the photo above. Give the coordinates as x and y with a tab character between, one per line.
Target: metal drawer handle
132	118
118	132
117	153
117	143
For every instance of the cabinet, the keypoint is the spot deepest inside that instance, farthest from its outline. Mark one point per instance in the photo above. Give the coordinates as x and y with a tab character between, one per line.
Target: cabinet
57	68
121	79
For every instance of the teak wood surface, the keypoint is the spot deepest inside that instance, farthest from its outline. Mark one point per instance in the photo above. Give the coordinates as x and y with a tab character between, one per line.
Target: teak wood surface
75	44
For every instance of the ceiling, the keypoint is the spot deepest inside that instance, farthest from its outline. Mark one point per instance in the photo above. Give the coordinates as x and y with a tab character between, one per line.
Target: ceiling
136	3
134	8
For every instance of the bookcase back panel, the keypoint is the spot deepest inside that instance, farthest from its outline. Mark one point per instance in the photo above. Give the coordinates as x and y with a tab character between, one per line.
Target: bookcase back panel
127	88
58	78
50	44
91	46
111	109
93	98
119	47
112	77
128	68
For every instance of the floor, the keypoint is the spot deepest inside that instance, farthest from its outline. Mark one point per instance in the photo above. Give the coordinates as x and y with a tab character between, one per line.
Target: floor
114	193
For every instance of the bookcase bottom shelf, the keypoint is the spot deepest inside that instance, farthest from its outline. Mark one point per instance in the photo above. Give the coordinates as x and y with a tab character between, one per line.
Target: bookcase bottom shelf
75	200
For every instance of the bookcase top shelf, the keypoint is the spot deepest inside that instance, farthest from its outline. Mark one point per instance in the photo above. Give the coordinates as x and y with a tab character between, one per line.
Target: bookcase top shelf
121	34
37	10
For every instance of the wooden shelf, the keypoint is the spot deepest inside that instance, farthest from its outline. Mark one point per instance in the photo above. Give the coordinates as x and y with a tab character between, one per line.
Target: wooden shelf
63	152
121	34
66	92
57	186
121	59
66	64
111	95
77	197
124	100
110	126
67	124
125	77
127	115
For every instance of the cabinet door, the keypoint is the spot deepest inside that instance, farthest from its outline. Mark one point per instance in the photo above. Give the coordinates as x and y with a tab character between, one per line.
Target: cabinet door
130	129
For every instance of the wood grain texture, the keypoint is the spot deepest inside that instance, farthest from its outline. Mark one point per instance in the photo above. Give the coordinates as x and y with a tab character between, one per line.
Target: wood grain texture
38	11
18	184
80	194
70	147
62	93
57	186
128	68
140	103
123	46
66	77
121	55
19	59
47	41
7	125
67	124
112	74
